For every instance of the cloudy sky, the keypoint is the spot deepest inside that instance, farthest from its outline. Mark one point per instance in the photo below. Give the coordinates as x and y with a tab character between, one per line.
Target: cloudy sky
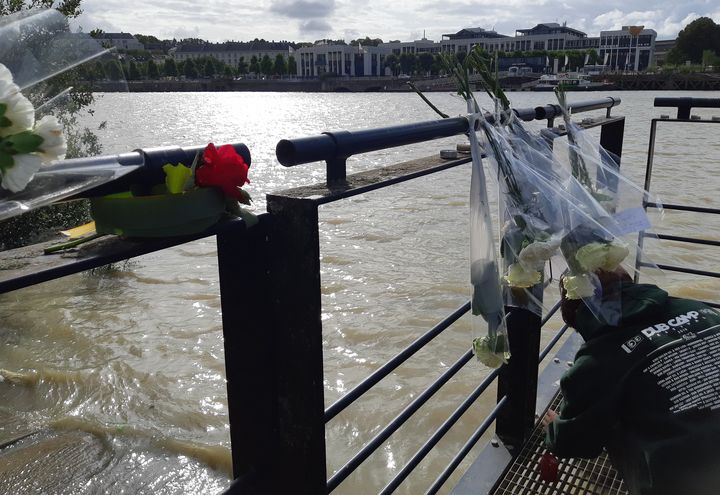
309	20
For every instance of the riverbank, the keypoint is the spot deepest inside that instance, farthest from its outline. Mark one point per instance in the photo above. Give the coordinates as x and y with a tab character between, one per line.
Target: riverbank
627	82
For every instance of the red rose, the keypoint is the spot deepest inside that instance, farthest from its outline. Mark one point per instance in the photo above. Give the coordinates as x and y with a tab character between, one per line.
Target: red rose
222	167
549	467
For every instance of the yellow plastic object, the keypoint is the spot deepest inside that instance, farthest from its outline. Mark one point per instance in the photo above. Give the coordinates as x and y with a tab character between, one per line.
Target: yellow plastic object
79	231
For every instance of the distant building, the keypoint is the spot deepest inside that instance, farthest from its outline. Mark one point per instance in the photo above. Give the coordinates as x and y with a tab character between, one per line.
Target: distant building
418	46
550	37
631	48
466	39
342	60
662	47
121	41
232	52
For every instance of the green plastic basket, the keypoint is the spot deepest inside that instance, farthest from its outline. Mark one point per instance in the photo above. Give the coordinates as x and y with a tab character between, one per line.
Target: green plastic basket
162	215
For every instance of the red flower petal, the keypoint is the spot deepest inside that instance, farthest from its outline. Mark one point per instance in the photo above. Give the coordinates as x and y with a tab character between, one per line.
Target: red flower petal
222	167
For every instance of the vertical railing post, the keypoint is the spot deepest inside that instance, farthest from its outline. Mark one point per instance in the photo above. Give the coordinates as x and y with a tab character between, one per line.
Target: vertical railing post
245	295
518	379
297	335
612	135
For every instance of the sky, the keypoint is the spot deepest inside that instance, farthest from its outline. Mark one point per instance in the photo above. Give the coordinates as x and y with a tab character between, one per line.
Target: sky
310	20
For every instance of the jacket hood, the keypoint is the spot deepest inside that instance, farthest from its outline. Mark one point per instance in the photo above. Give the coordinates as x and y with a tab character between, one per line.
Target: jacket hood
635	301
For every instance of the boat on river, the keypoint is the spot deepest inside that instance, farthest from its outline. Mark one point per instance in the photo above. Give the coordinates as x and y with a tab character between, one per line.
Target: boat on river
571	82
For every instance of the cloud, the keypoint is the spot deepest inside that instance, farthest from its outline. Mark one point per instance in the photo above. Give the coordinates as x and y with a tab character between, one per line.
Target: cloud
315	26
303	9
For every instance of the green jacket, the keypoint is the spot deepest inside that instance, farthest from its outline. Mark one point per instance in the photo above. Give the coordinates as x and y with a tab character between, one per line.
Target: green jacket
647	390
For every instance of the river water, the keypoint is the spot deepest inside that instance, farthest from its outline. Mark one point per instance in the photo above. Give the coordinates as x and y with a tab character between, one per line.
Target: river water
134	352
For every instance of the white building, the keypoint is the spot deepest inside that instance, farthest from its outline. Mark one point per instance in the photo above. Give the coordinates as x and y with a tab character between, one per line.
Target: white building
232	52
343	60
630	48
121	41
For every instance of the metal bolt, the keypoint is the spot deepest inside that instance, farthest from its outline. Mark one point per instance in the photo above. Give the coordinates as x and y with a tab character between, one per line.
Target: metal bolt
569	363
664	116
494	442
695	117
557	360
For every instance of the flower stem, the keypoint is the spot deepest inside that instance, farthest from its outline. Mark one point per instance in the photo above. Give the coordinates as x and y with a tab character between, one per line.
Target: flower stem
70	244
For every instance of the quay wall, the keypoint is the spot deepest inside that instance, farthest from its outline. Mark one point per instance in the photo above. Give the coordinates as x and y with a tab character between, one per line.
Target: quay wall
626	82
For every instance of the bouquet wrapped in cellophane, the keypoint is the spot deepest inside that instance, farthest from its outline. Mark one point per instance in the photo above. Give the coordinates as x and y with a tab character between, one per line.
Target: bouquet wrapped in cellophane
575	213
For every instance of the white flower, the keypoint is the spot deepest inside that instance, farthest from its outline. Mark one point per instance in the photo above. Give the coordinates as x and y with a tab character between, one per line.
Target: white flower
534	256
493	352
578	286
601	255
53	146
617	251
5	74
18	109
17	177
518	276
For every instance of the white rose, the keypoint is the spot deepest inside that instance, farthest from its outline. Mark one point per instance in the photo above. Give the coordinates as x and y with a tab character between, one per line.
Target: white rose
18	109
5	74
53	146
491	351
578	286
17	177
518	276
534	256
617	251
601	255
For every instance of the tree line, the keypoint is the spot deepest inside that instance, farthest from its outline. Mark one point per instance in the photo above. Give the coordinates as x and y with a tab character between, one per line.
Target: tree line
140	68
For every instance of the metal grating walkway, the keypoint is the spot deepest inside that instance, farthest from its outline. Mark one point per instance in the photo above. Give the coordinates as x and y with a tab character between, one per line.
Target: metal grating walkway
575	476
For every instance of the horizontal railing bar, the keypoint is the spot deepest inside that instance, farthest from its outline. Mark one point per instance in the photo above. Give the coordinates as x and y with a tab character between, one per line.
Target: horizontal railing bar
357	190
552	343
679	269
697	209
396	423
344	144
686	101
105	251
439	433
551	111
440	481
393	363
550	314
330	146
691	240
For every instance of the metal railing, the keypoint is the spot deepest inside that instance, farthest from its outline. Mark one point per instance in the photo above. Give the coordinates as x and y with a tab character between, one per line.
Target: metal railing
684	106
277	417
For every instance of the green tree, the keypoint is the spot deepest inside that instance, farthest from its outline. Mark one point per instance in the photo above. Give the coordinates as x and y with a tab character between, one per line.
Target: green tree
114	70
254	65
292	66
407	63
190	70
280	66
152	70
228	72
242	66
170	68
700	35
209	68
133	71
69	8
266	65
425	62
366	41
392	62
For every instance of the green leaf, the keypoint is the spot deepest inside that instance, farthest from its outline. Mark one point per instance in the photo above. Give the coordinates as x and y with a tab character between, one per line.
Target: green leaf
6	161
24	142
